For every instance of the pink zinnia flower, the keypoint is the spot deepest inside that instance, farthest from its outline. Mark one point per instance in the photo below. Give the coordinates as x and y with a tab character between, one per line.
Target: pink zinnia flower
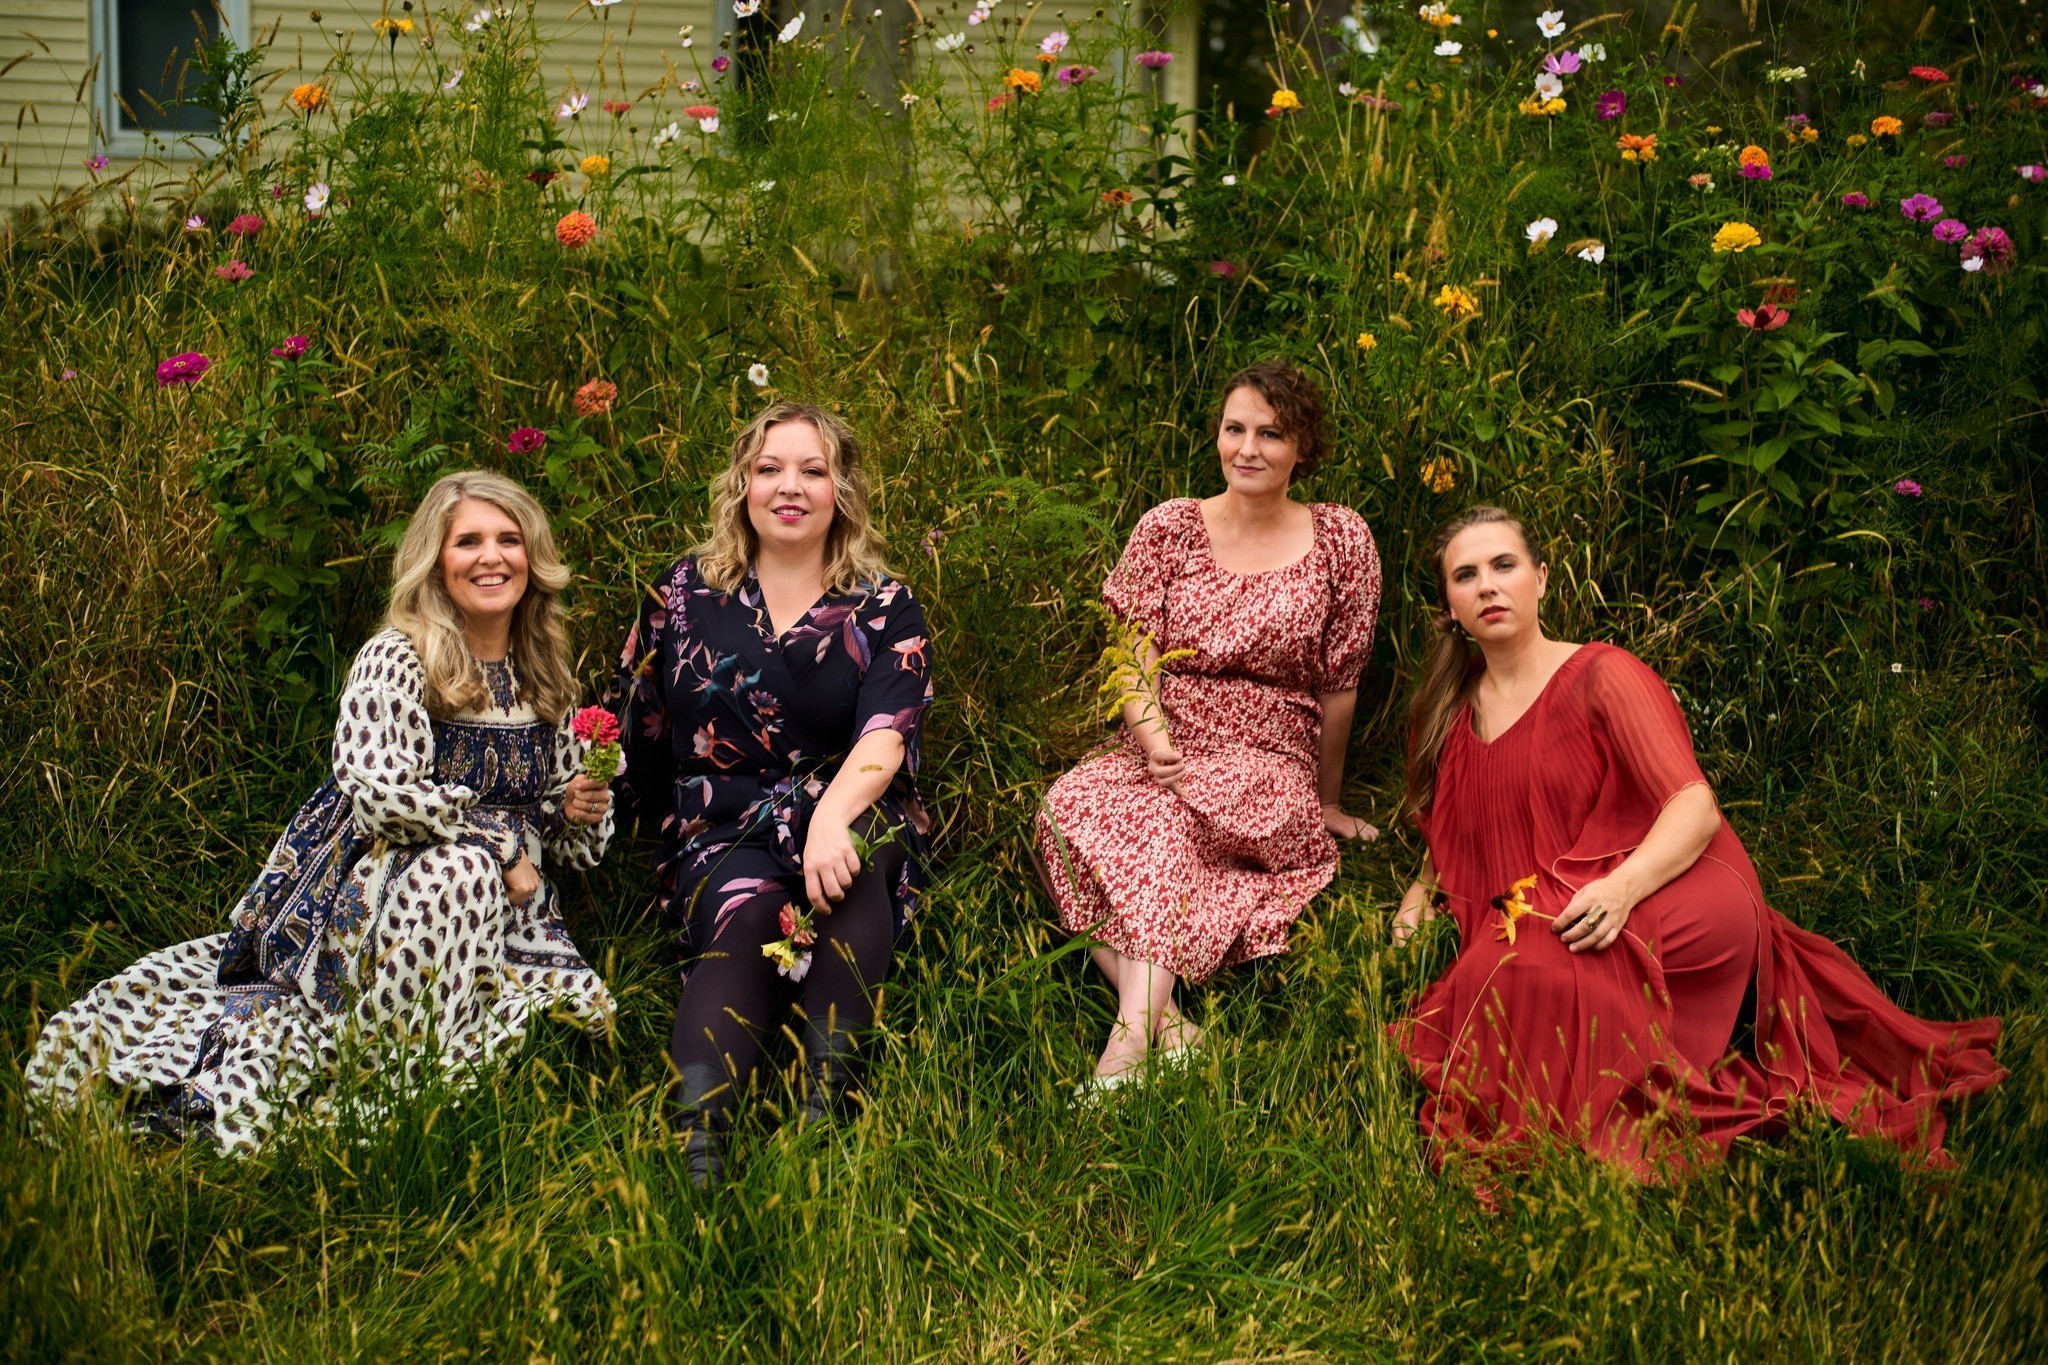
595	725
1950	230
1756	170
1991	248
234	272
1856	199
1222	268
1611	105
596	398
1073	75
245	225
1906	488
183	368
293	348
526	440
1154	61
1920	208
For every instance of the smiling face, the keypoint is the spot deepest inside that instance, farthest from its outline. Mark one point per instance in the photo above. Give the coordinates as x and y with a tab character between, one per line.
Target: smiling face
483	561
1492	583
1258	457
790	491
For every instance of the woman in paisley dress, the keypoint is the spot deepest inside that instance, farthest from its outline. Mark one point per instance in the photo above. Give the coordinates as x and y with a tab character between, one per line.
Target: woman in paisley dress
773	689
1620	983
403	918
1196	839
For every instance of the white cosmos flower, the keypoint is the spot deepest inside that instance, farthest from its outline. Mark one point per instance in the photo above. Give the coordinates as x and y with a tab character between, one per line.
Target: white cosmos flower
603	4
759	374
764	185
952	42
1973	265
195	224
1550	23
668	135
791	29
1595	253
689	42
1230	180
980	15
708	125
573	106
453	80
1541	231
1593	52
1346	89
909	98
475	25
1447	48
745	9
316	197
1053	43
1548	86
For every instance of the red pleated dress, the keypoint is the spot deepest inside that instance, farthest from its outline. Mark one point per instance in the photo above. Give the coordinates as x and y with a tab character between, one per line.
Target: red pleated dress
1631	1052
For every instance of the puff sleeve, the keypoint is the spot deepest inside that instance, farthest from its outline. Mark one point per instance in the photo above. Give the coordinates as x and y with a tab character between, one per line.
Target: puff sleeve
384	759
1353	561
1136	589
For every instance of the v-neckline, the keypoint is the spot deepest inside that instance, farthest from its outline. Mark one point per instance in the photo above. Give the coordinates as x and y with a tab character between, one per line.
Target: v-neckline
779	637
1472	703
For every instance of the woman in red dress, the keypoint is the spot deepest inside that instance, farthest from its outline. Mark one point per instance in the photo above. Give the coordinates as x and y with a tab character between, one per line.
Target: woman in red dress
1613	935
1197	837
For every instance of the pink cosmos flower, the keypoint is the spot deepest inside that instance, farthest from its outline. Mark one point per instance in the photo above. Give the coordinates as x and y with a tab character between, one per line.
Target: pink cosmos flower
1673	82
245	225
1927	604
1154	61
234	272
97	162
526	440
1856	199
2033	175
1920	208
294	347
1950	230
1611	105
720	63
1565	63
1906	488
67	376
183	368
1955	161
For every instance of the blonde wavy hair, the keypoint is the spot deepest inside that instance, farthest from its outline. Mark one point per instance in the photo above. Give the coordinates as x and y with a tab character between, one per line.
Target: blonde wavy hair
853	548
421	608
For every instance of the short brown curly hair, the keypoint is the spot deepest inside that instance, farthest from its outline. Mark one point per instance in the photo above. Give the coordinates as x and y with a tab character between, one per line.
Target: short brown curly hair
1297	404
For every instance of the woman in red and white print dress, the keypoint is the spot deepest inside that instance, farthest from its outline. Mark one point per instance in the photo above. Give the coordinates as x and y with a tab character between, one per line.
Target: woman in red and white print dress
1196	838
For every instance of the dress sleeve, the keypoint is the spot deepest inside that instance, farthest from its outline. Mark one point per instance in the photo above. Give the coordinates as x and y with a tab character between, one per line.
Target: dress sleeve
1354	564
897	686
639	699
1645	732
566	841
384	759
1135	590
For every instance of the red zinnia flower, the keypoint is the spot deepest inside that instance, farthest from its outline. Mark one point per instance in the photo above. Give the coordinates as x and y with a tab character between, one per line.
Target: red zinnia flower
526	440
1928	73
245	225
701	111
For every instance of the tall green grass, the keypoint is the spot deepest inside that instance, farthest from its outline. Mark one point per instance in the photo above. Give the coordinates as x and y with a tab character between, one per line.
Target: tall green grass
1031	382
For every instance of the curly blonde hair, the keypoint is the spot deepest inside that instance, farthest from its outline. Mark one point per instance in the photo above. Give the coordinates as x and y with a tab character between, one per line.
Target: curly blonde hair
423	611
853	547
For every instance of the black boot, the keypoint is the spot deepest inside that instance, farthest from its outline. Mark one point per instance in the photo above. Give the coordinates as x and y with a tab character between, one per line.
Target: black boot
702	1096
828	1075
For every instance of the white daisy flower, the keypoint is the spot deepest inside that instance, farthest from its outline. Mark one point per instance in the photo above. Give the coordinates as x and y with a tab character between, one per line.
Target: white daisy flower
758	373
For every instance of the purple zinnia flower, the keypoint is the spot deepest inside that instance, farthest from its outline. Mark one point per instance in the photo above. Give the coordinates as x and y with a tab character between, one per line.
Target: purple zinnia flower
182	368
1154	61
1756	170
1920	208
1990	250
1951	230
293	348
2033	175
1073	75
1613	104
1937	118
720	63
1906	488
1856	199
526	440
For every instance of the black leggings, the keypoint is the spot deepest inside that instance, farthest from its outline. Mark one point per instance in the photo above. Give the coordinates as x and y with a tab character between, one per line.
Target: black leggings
733	994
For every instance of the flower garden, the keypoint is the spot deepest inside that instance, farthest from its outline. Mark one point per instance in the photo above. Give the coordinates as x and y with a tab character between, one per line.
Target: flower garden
1743	309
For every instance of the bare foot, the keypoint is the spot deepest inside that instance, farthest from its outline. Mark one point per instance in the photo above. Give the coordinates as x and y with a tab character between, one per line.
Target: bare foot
1125	1049
1176	1032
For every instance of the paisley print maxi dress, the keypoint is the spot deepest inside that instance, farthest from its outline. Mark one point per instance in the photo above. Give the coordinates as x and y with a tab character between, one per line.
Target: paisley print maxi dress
379	922
1216	873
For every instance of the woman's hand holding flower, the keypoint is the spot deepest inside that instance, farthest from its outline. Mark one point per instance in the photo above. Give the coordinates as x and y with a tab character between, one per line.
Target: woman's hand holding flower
586	800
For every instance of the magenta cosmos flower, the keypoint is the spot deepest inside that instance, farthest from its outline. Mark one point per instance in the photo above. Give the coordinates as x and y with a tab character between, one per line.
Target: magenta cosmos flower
1154	61
1222	268
1937	118
183	368
720	63
293	348
1951	230
234	272
1920	208
1611	105
2033	175
526	440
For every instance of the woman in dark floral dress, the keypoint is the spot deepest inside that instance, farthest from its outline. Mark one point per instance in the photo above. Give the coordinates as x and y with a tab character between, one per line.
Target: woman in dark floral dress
773	690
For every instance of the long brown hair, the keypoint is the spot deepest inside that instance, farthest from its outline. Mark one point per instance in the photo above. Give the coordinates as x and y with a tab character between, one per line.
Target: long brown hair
422	609
853	548
1448	669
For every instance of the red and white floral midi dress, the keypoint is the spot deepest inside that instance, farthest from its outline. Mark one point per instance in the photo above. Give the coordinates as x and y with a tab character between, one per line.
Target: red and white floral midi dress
1216	873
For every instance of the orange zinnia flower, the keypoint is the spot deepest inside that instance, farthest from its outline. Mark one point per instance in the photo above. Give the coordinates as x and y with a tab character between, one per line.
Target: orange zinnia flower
575	229
1753	155
1018	79
307	98
1639	149
1884	125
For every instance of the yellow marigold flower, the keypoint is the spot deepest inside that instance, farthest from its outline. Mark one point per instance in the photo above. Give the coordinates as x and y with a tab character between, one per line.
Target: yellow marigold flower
1493	33
1457	303
1641	148
1713	130
1401	277
1018	79
1884	125
308	97
1809	134
1367	341
1286	99
1440	475
1538	108
1736	237
1857	139
595	165
1753	155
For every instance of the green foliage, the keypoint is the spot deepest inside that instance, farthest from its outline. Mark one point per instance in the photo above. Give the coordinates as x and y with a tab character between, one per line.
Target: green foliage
1033	360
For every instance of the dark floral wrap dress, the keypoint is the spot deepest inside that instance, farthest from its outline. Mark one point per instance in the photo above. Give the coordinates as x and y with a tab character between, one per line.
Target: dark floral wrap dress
732	735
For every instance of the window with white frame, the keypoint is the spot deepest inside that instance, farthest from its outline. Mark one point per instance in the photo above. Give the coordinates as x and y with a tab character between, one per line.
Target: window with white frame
147	54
